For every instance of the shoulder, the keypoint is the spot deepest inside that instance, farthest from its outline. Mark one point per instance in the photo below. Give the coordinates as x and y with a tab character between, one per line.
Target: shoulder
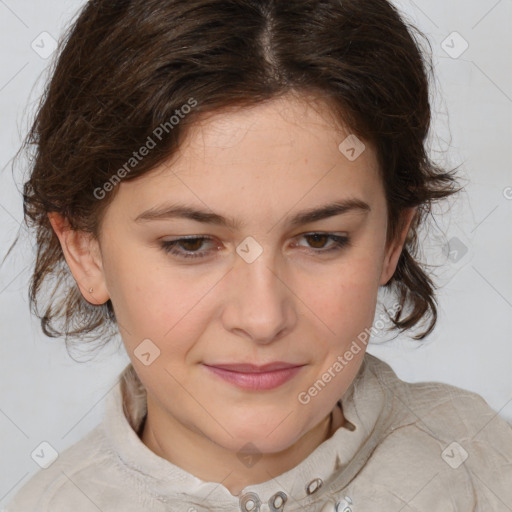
441	410
446	439
443	407
85	460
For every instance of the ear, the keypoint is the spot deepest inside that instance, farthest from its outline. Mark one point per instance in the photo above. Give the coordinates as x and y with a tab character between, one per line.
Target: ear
394	249
83	256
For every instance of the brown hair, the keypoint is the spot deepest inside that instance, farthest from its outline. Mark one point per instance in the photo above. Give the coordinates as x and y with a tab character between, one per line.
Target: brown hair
125	67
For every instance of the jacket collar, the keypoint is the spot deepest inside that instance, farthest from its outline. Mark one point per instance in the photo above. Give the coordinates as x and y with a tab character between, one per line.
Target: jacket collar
320	477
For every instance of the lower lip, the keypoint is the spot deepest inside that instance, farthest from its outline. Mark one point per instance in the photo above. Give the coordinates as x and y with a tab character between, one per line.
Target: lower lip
256	381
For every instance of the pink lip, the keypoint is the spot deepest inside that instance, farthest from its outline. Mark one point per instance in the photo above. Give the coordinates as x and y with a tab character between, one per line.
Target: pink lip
249	376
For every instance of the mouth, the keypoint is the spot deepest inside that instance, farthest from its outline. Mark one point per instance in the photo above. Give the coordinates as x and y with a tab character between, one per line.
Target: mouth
255	377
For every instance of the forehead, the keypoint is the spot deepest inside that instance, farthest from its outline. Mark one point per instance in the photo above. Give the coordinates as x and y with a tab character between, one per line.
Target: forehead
298	115
280	152
288	128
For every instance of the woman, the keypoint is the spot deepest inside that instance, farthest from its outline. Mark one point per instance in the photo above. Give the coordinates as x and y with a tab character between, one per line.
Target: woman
230	183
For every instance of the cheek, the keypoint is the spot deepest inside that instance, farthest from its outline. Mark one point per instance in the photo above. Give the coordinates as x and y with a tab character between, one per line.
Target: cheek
342	302
160	303
345	292
138	293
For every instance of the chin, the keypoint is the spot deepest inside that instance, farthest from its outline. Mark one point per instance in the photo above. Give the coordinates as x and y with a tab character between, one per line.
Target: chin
260	439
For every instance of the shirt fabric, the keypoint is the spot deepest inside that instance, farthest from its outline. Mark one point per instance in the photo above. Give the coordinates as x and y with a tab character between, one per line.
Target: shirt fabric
409	447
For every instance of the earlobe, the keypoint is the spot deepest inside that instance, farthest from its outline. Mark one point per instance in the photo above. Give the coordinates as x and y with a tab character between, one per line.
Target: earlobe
395	249
83	257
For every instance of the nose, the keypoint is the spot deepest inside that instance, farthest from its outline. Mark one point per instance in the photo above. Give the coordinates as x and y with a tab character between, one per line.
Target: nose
260	303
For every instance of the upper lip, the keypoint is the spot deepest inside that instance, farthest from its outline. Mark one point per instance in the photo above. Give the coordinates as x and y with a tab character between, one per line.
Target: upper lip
253	368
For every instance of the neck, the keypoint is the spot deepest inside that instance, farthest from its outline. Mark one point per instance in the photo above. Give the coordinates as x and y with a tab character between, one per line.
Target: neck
198	455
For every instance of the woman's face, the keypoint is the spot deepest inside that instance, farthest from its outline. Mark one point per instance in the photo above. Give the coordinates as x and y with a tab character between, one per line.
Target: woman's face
259	288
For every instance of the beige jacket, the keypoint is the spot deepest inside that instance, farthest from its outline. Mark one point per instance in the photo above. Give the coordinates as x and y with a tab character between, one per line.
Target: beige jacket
415	447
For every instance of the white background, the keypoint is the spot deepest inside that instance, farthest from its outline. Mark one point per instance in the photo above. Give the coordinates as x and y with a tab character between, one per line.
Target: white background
46	396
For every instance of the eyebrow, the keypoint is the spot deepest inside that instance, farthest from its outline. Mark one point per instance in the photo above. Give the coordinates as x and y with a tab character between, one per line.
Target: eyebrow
182	211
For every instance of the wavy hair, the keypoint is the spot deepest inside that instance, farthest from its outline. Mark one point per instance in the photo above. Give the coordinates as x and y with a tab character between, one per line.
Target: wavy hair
125	67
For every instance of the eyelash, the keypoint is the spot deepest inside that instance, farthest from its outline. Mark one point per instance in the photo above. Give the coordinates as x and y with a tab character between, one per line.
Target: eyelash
169	246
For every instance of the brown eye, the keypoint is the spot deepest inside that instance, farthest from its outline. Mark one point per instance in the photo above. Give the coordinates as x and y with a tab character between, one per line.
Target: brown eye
190	244
186	247
318	242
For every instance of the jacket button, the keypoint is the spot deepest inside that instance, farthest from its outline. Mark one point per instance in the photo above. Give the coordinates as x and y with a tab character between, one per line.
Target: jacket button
250	502
276	503
344	505
314	485
339	506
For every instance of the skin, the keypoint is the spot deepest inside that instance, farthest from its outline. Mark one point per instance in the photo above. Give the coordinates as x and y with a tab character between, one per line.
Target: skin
260	165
